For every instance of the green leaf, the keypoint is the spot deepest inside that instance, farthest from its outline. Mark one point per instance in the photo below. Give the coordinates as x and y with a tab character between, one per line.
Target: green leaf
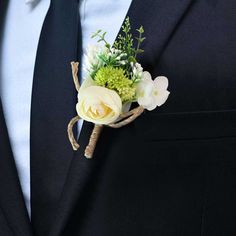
139	51
141	30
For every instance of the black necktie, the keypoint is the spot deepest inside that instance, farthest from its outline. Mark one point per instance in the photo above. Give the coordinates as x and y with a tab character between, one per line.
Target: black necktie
53	105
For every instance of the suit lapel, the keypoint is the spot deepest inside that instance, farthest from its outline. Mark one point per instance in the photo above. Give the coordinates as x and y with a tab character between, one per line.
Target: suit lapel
11	197
53	105
159	18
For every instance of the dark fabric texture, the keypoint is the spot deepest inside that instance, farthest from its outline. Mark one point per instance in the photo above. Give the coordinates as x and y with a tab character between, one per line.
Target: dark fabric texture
171	172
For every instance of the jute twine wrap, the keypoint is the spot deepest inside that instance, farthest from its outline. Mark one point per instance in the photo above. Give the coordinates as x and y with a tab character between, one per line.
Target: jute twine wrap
124	120
93	141
71	124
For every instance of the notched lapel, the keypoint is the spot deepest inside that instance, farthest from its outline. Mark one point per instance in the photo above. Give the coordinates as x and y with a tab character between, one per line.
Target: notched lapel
159	19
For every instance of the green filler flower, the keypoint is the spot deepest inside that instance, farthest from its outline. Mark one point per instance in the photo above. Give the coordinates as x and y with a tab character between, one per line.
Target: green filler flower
115	79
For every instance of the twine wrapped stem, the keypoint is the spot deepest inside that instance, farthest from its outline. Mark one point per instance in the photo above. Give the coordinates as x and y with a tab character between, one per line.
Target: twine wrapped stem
74	67
93	141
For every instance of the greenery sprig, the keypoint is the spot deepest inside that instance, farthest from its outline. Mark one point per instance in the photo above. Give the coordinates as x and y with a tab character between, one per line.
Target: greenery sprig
140	40
122	56
101	37
124	41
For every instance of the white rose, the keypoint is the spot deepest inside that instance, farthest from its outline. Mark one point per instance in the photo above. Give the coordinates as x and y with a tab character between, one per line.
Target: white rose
98	105
152	93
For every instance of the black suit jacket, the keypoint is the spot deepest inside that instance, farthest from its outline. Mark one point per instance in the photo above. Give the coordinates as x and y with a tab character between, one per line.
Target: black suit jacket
172	172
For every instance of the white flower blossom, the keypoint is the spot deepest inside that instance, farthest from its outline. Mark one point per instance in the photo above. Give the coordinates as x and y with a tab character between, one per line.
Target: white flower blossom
98	104
152	93
137	70
92	57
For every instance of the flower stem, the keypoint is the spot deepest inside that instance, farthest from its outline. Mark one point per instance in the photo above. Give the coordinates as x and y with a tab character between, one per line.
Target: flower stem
93	141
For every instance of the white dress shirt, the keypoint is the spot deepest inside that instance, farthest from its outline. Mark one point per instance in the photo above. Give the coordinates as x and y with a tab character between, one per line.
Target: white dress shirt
23	25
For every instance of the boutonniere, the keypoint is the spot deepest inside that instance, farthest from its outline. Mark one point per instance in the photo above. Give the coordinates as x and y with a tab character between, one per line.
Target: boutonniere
114	81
